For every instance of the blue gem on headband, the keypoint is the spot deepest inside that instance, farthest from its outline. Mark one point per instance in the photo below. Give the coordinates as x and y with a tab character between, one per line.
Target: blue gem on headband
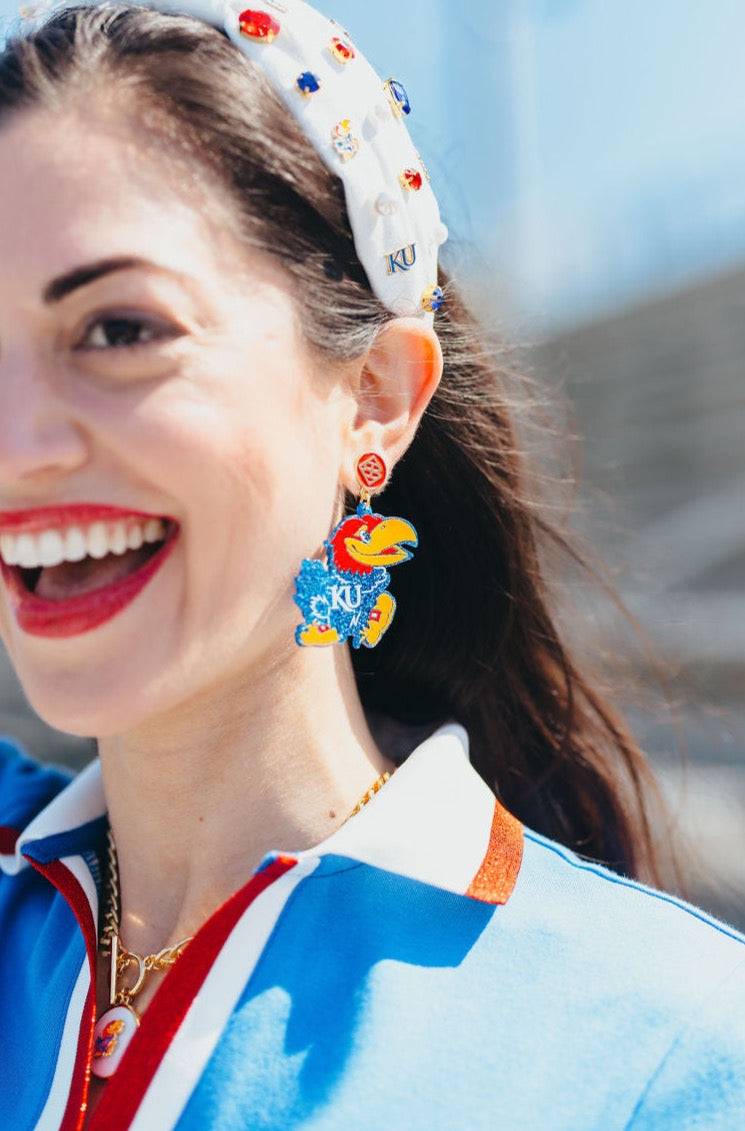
399	99
308	83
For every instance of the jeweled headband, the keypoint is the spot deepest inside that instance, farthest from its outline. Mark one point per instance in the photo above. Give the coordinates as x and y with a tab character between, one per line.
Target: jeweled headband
355	122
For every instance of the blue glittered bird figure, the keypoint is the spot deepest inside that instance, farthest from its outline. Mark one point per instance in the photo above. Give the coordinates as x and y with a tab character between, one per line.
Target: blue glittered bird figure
347	598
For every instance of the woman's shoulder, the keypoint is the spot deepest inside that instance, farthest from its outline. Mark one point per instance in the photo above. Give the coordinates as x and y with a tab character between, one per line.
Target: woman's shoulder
26	786
604	971
623	933
609	906
660	976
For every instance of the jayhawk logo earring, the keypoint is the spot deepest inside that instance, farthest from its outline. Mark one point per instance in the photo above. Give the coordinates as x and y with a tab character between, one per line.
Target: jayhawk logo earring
346	597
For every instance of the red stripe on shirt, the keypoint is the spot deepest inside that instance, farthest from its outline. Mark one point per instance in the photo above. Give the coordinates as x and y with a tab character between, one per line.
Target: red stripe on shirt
126	1090
68	885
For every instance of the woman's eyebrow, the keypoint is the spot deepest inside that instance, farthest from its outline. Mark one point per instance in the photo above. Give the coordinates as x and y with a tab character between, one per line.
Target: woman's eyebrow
88	273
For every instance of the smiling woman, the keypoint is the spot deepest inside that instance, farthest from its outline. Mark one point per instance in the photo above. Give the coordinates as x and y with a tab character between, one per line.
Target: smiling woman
298	866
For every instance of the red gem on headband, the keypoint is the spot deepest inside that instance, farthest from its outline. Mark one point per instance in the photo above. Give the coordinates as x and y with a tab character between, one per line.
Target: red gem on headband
258	25
411	179
342	52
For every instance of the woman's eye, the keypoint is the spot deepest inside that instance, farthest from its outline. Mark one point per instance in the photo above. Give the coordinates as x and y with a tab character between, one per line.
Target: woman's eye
120	333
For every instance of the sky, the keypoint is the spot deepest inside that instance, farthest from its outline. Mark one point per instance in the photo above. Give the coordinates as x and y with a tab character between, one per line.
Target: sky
587	153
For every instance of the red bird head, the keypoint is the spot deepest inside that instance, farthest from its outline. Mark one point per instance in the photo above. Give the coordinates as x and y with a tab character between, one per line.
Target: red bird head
365	542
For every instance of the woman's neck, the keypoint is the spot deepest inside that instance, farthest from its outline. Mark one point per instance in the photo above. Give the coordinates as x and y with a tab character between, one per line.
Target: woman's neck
198	797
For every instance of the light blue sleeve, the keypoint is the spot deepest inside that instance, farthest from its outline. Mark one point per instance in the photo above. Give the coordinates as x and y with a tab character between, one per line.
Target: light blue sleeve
700	1083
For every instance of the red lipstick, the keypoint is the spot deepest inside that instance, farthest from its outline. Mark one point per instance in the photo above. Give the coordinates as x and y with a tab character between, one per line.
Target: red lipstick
67	514
82	612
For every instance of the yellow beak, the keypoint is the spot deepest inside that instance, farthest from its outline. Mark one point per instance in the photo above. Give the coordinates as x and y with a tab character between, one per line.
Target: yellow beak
384	547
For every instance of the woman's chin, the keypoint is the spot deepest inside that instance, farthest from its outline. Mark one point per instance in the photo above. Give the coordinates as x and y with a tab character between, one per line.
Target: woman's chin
87	699
79	714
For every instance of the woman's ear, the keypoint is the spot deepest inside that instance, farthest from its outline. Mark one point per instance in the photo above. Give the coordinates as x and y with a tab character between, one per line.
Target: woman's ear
394	385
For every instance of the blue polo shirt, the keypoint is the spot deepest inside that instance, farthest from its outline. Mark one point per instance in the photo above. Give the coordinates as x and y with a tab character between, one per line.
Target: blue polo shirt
432	965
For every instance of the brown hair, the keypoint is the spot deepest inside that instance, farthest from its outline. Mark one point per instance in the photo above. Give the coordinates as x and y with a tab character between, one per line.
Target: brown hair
477	639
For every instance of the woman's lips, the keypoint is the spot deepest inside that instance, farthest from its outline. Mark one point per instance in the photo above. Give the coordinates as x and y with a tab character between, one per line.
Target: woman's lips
70	569
63	515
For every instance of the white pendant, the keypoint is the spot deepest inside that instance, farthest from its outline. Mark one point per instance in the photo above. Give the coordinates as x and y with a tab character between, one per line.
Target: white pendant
114	1030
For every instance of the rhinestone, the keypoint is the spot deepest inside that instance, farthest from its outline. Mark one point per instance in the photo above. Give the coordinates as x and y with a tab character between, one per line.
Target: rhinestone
432	299
398	98
255	24
342	52
344	141
308	83
411	179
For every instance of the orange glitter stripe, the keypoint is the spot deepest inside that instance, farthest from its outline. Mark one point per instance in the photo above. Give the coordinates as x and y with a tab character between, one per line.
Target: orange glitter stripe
496	878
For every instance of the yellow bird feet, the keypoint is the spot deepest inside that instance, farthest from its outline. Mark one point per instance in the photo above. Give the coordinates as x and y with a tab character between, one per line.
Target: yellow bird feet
317	635
379	619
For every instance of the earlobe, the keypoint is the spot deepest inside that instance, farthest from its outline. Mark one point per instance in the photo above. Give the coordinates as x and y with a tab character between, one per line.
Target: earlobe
397	380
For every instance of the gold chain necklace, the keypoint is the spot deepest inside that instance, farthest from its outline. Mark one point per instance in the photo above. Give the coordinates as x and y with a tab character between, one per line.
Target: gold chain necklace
118	1024
374	788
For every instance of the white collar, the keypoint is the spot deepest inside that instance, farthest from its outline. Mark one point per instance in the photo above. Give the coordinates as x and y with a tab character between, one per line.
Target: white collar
435	821
431	822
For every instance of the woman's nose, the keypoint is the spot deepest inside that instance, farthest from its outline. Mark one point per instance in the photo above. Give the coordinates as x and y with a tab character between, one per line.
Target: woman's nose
39	435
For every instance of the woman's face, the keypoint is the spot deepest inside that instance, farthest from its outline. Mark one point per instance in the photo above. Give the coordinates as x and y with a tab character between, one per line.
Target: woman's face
159	414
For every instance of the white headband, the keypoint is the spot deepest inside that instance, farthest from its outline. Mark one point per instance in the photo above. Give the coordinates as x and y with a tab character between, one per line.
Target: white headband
355	122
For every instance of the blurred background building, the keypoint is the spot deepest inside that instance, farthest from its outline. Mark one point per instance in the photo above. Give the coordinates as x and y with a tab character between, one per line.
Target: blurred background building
589	164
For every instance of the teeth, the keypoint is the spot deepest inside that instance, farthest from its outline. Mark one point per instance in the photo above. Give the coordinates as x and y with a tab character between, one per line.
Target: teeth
52	547
26	551
76	547
118	538
98	542
135	537
154	530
